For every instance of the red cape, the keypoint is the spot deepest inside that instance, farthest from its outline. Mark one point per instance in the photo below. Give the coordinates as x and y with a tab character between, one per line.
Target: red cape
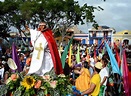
54	51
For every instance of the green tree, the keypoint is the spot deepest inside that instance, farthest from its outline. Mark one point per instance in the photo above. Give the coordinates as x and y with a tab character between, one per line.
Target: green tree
58	14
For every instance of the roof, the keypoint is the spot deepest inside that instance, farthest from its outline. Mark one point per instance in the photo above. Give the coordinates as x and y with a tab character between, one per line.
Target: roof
66	38
73	29
104	28
77	39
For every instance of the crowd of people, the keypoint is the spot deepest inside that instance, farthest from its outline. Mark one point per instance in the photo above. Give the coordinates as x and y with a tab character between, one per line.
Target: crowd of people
91	75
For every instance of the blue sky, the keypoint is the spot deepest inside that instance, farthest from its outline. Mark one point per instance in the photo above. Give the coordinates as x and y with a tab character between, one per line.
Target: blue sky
116	14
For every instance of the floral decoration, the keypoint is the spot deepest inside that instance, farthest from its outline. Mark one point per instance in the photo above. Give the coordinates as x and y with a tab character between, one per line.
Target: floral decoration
33	85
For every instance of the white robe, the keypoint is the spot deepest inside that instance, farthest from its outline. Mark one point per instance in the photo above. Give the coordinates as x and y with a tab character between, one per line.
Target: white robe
44	63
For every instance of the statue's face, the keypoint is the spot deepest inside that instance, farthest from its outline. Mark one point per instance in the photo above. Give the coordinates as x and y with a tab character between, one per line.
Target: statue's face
42	26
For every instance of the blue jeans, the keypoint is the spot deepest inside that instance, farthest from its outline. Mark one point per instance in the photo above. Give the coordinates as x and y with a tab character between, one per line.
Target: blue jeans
76	91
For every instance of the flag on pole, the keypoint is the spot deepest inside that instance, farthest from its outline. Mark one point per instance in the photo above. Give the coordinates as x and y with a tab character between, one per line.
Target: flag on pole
117	55
95	54
113	61
70	53
125	74
64	54
87	54
101	45
15	57
60	49
121	66
103	50
78	54
121	49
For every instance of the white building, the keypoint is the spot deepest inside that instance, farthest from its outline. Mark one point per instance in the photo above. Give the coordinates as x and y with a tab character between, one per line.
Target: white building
97	35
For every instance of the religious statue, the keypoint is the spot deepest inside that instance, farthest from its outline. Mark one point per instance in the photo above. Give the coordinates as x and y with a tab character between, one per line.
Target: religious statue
45	53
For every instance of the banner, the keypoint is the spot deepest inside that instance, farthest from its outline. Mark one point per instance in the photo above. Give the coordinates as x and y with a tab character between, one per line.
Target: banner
113	61
63	57
15	57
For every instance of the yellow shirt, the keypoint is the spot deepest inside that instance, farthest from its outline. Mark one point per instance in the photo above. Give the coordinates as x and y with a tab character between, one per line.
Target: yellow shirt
96	80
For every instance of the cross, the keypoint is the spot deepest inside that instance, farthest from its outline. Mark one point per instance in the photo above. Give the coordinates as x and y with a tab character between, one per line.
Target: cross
39	49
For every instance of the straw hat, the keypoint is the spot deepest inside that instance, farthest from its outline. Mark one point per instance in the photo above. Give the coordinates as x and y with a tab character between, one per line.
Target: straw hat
98	57
11	64
98	65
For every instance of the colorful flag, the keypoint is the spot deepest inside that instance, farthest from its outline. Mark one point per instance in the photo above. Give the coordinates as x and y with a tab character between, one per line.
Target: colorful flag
70	53
101	45
117	55
60	49
113	61
64	54
121	49
78	54
87	54
103	50
125	74
121	67
15	57
95	54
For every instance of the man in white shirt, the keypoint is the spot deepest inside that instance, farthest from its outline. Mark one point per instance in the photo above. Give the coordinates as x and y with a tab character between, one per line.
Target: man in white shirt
91	64
104	74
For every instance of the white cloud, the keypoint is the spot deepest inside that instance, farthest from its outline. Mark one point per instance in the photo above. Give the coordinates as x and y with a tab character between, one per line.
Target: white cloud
116	13
121	5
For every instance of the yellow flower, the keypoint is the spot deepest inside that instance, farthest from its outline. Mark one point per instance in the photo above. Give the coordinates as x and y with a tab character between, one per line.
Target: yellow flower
28	82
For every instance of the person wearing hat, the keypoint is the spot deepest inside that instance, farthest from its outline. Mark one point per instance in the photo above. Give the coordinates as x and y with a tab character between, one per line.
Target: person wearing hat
95	82
45	53
11	67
